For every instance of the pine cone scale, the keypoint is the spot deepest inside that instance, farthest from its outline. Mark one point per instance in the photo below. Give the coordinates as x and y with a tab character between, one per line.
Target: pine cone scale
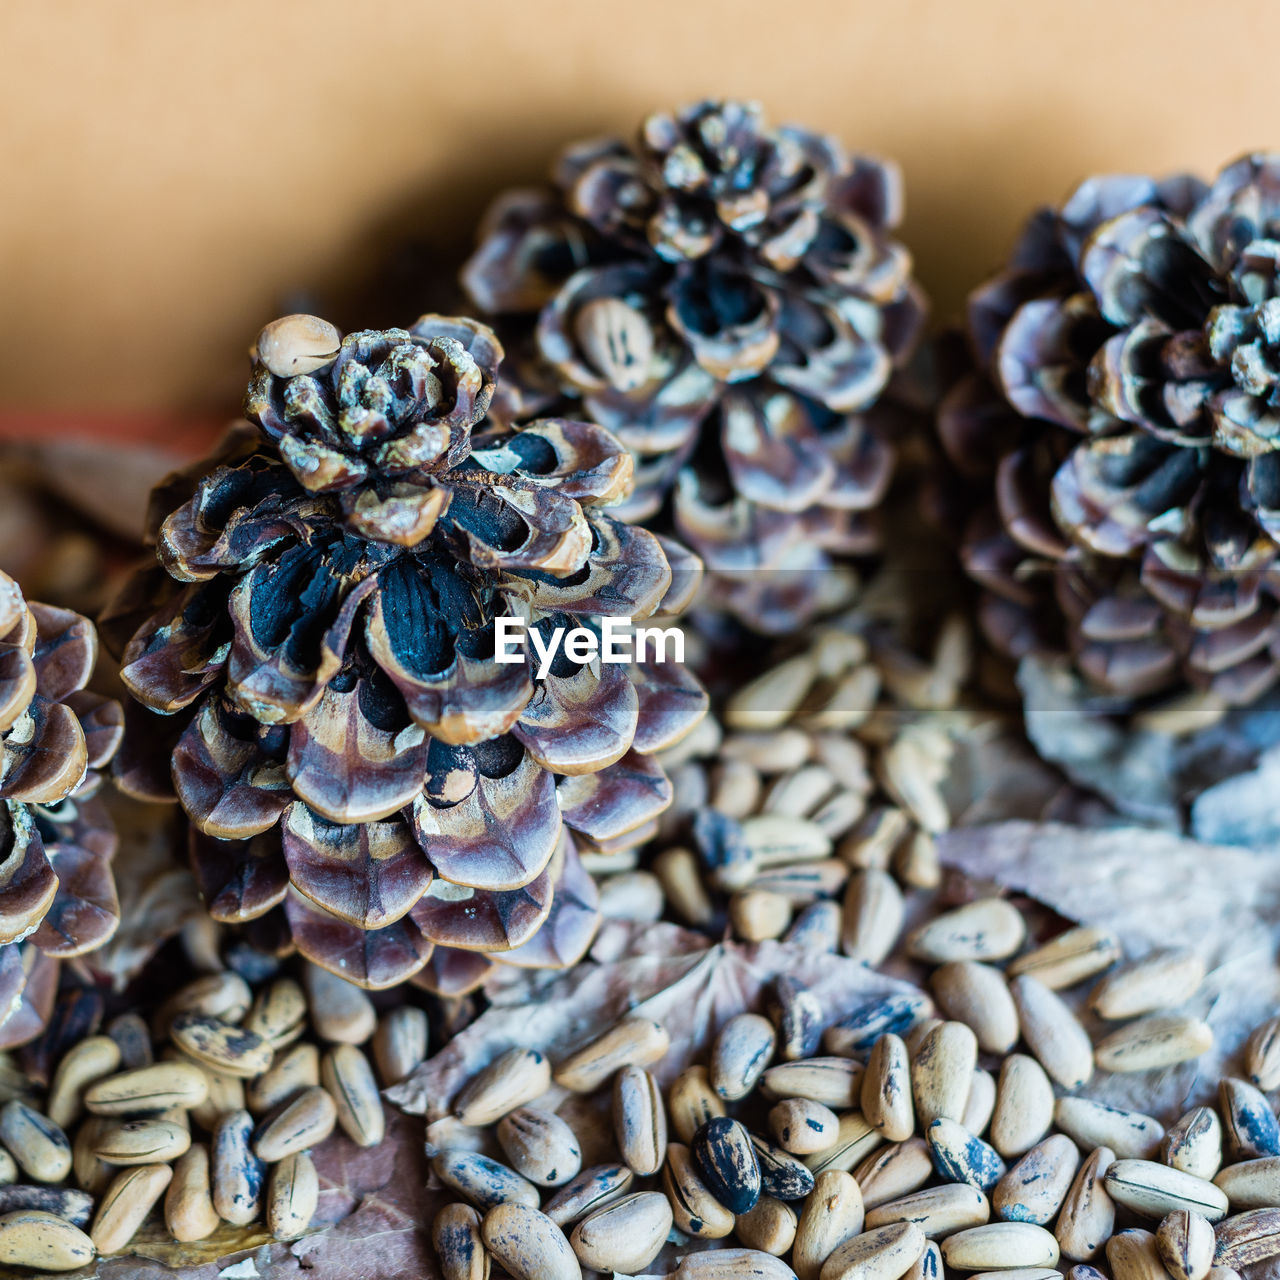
369	874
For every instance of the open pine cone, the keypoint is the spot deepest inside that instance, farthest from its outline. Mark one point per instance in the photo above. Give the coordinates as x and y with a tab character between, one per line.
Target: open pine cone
1124	422
57	897
727	299
321	633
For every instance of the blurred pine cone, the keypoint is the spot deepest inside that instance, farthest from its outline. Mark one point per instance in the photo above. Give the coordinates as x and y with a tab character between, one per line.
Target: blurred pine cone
1123	428
58	896
822	779
321	631
726	297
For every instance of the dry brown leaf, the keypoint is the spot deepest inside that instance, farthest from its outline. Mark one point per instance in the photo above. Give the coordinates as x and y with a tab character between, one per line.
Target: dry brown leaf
1153	889
1220	773
659	971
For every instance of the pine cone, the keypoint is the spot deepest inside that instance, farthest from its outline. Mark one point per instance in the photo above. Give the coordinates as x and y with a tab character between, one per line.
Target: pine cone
831	764
321	629
727	299
58	897
1125	404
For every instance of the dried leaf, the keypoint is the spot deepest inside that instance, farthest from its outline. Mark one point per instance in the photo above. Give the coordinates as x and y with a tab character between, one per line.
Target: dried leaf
660	971
1077	731
1154	777
1242	810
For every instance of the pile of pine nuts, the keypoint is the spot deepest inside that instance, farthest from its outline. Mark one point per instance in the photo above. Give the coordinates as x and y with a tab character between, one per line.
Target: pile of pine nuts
915	1136
263	1075
831	762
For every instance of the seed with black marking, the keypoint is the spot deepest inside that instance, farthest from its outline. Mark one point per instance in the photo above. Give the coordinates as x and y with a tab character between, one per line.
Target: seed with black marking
742	1050
1088	1215
1194	1144
960	1157
632	1041
279	1014
626	1236
35	1142
1152	1190
237	1172
894	1171
1069	958
731	1264
1262	1054
235	1051
304	1121
987	929
942	1072
292	1196
65	1202
781	1174
527	1244
800	1019
1161	1040
937	1211
455	1233
1249	1125
591	1189
639	1120
136	1142
345	1072
858	1031
886	1089
511	1080
1035	1188
153	1088
540	1146
726	1161
883	1254
691	1102
1247	1238
697	1212
803	1127
1130	1134
832	1214
483	1181
1185	1243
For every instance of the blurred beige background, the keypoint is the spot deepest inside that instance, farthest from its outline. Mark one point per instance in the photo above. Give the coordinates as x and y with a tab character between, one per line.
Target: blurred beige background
175	172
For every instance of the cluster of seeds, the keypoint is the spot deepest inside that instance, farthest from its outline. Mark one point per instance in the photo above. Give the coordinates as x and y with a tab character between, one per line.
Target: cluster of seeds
830	762
214	1106
912	1137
